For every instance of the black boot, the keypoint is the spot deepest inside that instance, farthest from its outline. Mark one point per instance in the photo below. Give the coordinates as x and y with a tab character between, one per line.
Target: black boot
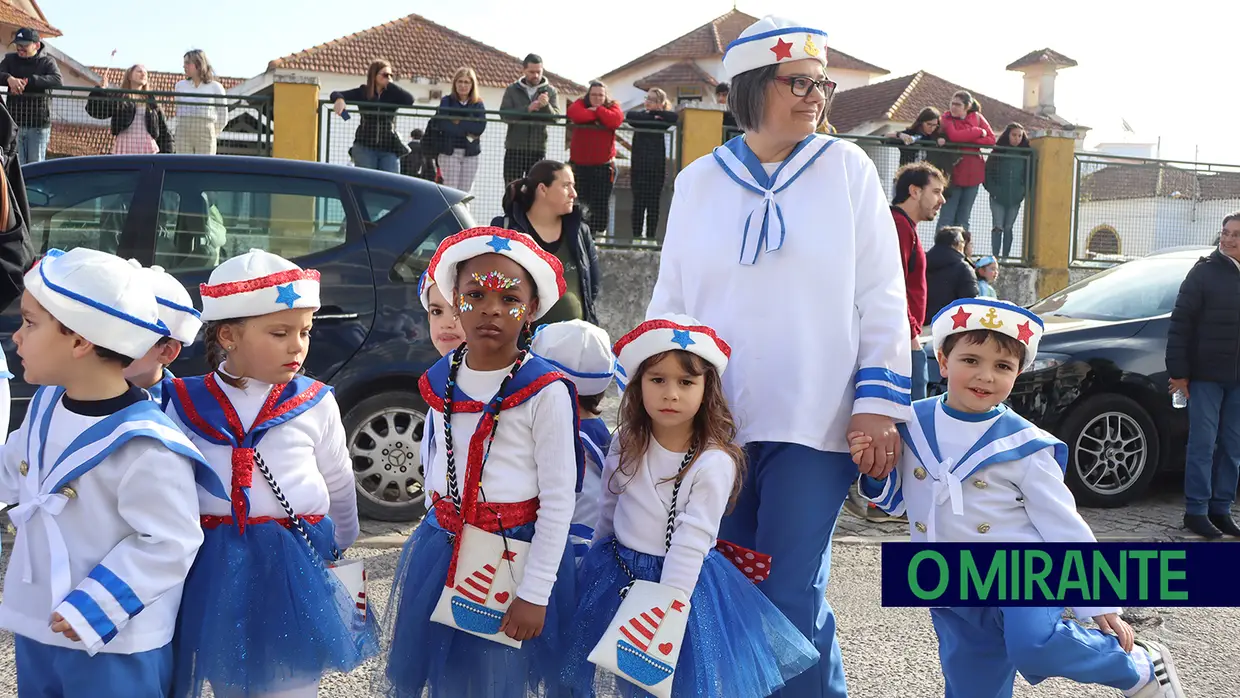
1226	524
1200	524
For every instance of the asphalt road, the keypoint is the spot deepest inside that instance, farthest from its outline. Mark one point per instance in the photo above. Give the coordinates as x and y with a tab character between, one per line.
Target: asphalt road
890	652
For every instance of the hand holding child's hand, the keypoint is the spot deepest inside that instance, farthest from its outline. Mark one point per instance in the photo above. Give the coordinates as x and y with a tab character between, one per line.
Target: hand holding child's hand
524	620
60	625
857	443
1112	624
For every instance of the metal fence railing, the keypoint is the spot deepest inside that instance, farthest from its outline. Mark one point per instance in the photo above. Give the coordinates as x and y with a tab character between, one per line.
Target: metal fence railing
81	121
1128	207
636	186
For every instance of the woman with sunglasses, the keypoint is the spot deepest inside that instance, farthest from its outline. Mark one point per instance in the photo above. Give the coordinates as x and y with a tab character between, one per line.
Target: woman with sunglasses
783	242
376	145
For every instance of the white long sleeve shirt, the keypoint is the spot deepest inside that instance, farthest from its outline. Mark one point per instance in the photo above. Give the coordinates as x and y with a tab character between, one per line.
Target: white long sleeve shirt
533	456
636	508
307	456
812	324
204	107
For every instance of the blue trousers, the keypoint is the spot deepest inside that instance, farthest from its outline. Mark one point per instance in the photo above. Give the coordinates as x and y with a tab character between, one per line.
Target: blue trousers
958	208
788	507
1212	464
32	144
44	671
374	159
981	650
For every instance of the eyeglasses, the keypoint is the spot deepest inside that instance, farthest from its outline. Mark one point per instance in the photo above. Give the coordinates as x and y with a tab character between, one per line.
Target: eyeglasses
801	85
385	74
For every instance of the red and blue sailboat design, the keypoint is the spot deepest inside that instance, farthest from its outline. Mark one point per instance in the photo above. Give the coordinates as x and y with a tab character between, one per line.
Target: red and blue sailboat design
634	655
469	608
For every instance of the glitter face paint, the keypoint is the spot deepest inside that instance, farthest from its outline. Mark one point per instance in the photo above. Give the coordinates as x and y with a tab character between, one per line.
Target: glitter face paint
464	305
519	312
496	281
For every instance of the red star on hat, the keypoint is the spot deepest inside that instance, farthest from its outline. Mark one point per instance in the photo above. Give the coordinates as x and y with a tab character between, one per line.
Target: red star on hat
1024	332
782	49
961	319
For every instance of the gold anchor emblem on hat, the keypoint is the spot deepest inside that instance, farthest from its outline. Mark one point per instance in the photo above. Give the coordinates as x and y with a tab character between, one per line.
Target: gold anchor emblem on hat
810	48
991	321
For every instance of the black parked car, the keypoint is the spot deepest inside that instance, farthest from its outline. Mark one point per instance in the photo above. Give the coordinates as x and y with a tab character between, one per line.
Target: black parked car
1100	379
370	234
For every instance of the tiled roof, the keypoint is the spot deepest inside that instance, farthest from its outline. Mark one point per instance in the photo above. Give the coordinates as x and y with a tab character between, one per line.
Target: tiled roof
17	17
158	80
71	140
1118	182
686	72
901	99
416	46
710	39
1044	56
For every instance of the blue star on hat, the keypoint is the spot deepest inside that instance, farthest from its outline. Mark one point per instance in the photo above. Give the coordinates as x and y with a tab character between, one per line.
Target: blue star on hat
287	295
498	243
682	338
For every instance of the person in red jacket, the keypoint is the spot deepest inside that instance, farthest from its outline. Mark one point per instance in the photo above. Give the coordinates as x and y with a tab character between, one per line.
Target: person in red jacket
592	150
964	124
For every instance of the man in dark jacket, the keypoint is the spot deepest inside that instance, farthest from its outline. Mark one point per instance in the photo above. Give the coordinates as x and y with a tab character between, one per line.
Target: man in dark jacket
527	107
29	74
16	251
949	276
1203	361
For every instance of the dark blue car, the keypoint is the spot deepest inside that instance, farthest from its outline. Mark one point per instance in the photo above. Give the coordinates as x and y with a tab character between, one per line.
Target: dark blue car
370	234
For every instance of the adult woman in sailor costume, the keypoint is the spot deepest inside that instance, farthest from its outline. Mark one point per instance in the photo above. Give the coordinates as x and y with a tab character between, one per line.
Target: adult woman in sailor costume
799	266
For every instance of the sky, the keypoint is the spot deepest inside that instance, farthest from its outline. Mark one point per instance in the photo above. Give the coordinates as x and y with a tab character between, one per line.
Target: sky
1170	75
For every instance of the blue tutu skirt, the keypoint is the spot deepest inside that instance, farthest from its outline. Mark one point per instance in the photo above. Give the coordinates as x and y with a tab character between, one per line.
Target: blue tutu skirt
448	663
261	612
737	644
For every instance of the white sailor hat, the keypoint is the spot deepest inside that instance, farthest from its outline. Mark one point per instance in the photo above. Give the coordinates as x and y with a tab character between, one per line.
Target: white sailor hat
176	308
667	333
581	351
771	41
542	266
257	283
969	314
99	296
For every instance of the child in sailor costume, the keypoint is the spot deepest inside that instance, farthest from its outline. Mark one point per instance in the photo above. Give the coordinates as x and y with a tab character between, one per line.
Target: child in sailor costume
176	310
106	503
582	351
262	613
974	470
658	521
505	466
798	263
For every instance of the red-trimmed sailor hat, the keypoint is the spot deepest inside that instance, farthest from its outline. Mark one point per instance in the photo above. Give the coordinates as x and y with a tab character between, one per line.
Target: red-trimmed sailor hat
668	333
542	266
969	314
258	283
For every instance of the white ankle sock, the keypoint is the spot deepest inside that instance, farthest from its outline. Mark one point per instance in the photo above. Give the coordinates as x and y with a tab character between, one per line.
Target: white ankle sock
1145	669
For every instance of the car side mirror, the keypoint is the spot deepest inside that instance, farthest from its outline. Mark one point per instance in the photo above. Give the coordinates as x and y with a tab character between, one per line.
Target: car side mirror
38	198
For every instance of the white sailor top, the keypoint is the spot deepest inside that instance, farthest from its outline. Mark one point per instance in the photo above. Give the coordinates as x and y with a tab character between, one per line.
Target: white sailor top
799	268
107	524
533	467
990	478
294	428
636	508
5	377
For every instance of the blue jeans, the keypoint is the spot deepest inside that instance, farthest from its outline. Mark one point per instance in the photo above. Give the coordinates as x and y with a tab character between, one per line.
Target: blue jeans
958	208
32	144
1003	219
374	159
791	499
919	374
44	671
1210	474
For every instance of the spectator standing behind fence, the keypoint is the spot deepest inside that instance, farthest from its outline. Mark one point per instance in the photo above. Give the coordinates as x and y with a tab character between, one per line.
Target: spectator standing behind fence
964	124
1007	174
29	74
949	275
1203	362
528	105
648	173
376	146
200	119
137	121
542	204
461	119
925	132
592	151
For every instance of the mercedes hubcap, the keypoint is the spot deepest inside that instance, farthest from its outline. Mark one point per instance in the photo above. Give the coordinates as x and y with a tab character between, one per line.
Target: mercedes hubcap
386	453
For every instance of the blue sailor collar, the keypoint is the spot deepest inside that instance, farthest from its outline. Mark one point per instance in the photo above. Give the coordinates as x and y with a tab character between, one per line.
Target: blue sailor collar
764	227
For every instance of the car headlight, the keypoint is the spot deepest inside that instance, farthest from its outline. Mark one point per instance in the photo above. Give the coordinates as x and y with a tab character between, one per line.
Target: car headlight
1045	362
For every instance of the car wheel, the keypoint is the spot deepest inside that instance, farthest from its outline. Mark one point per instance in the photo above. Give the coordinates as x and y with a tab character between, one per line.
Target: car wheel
1112	450
385	444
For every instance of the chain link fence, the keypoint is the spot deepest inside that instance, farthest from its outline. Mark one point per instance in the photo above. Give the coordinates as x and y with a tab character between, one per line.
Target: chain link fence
640	181
1130	207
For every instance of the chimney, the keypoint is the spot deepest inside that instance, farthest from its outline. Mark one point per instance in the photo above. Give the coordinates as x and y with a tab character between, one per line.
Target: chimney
1040	68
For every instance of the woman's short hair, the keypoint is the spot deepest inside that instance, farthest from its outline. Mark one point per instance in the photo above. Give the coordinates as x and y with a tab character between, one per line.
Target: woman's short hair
747	98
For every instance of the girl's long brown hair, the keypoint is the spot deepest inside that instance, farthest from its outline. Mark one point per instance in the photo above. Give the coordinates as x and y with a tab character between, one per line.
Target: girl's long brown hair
713	425
372	77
